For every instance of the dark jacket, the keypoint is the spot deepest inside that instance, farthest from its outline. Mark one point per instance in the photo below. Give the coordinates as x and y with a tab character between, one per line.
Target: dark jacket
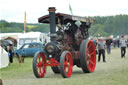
108	41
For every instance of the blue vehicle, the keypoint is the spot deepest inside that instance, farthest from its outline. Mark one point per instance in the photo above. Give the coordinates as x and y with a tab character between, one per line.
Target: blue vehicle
29	49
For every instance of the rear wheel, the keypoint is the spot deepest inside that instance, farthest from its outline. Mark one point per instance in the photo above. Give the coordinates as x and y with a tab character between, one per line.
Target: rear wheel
55	69
87	56
66	64
39	68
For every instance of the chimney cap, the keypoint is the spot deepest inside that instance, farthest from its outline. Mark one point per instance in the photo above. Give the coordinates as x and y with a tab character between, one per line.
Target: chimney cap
51	9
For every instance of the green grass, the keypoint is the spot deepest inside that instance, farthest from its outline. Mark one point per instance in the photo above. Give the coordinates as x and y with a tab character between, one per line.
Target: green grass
113	72
15	70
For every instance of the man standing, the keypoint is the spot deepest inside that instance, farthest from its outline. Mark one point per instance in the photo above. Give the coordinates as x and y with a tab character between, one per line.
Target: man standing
108	44
123	46
101	49
10	49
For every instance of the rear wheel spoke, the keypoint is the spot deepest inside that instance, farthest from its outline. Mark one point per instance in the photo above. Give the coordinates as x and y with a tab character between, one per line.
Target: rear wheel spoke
92	53
91	62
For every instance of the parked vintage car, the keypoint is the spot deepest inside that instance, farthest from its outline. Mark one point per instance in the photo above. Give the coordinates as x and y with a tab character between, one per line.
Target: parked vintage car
29	49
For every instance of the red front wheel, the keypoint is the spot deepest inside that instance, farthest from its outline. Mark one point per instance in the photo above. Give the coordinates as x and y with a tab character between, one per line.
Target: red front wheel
66	64
38	65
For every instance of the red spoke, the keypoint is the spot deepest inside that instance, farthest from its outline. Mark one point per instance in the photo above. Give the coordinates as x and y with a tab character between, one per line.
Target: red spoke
92	53
40	69
89	46
37	64
91	62
88	50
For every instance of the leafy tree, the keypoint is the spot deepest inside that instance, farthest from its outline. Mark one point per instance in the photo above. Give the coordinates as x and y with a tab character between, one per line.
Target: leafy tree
96	30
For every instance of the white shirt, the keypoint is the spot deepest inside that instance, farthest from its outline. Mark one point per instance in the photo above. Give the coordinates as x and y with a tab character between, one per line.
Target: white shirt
122	43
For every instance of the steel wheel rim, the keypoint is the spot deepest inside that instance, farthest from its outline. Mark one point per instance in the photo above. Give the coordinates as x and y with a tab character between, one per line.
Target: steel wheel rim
68	64
41	60
91	56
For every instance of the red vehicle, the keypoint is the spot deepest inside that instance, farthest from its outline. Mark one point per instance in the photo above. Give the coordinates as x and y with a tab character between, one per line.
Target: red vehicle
69	45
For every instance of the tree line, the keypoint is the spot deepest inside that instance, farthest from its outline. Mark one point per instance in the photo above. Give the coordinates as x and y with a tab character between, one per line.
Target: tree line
14	27
104	26
110	25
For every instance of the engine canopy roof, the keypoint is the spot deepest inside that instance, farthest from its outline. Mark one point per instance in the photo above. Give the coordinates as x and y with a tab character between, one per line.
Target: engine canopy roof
64	18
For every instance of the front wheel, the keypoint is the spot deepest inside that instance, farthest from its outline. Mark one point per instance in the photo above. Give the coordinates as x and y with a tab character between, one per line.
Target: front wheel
39	68
66	64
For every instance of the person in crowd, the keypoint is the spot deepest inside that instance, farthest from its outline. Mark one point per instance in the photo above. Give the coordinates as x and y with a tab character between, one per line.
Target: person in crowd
115	43
127	42
108	44
123	46
101	49
10	54
118	43
1	82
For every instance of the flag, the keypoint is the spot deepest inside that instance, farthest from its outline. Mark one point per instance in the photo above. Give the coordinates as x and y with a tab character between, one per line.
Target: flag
70	8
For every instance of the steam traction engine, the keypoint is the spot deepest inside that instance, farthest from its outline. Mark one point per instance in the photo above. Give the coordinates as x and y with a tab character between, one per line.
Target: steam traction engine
69	45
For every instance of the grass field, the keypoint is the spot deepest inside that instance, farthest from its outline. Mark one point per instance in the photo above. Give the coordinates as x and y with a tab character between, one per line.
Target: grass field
113	72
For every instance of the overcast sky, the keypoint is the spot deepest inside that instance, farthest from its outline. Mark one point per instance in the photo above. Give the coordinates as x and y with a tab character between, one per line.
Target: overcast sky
13	10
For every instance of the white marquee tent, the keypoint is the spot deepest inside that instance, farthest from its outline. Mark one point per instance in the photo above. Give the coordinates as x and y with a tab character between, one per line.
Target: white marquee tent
4	61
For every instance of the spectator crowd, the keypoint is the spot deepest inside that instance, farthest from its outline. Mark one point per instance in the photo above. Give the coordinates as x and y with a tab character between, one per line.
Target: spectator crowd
107	44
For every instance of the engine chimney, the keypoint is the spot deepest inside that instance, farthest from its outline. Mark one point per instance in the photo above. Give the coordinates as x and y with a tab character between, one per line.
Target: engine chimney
52	23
